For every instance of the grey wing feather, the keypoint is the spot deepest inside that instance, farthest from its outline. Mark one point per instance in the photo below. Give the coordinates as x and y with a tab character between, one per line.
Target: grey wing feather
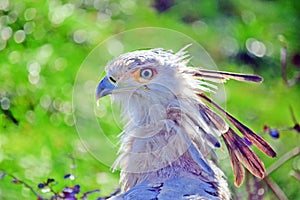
178	188
200	161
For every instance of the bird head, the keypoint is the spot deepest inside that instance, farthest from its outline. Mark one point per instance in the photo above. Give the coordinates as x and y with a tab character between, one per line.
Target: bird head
145	82
140	73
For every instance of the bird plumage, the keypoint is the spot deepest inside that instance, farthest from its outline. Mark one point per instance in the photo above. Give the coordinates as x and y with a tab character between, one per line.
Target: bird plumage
170	131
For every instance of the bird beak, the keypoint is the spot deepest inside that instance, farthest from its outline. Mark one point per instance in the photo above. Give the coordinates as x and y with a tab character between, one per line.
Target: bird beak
104	88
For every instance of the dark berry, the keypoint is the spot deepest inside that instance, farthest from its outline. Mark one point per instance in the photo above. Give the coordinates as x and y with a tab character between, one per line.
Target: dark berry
67	176
297	127
266	128
274	133
41	185
76	189
16	181
50	180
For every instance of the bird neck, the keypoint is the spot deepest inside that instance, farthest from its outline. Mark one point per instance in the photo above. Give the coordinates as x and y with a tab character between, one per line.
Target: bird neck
158	146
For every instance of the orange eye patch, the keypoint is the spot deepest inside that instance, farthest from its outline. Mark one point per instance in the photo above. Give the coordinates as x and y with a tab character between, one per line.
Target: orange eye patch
144	75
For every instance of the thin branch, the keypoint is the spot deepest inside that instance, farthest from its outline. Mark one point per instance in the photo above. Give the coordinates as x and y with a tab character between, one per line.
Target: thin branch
73	165
283	58
276	189
248	185
296	175
289	155
293	115
25	184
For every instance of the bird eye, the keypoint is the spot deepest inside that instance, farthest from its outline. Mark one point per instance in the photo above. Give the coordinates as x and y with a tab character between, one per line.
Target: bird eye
146	73
112	79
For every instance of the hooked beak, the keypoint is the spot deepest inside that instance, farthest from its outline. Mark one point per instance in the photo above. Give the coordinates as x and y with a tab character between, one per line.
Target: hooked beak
104	88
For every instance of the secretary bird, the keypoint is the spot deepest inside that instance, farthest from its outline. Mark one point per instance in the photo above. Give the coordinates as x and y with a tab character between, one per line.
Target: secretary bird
171	133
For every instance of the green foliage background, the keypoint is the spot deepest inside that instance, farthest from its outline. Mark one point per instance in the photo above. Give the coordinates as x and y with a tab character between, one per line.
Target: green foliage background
43	43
